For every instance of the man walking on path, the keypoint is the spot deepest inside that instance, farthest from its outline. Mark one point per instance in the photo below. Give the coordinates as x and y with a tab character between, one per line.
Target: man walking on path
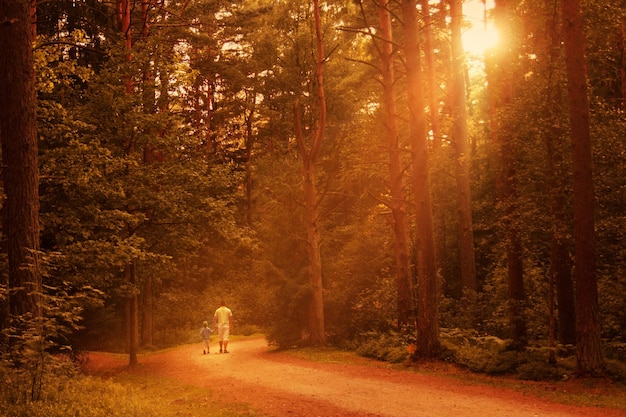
224	322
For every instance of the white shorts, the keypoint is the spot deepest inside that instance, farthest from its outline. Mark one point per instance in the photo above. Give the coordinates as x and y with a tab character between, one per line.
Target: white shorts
223	332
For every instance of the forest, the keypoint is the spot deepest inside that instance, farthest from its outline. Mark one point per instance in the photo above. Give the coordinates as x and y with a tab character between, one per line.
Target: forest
361	174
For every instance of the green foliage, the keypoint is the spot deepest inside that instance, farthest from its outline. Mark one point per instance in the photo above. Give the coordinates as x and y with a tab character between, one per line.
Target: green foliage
29	344
494	356
479	359
615	350
541	370
219	120
382	346
487	354
248	330
616	369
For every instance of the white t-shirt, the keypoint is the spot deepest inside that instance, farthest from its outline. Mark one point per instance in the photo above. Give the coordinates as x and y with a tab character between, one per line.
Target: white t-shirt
223	315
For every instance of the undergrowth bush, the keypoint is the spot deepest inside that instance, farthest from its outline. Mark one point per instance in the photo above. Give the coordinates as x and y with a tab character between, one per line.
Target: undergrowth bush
615	350
494	356
484	360
484	354
616	370
384	347
248	330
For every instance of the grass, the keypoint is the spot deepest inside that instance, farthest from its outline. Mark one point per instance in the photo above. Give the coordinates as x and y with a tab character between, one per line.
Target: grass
182	400
124	395
592	392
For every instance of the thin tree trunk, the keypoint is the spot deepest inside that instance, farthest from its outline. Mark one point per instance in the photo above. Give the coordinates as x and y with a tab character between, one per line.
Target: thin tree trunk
433	87
588	342
20	171
147	312
132	336
317	330
428	292
560	276
132	316
622	62
501	92
316	307
249	146
459	140
439	193
404	281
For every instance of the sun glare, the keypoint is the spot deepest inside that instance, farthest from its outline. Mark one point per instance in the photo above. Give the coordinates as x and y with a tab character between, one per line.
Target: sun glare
478	36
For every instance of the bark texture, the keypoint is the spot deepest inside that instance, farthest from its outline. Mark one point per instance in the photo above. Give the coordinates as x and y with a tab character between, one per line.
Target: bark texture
404	281
588	342
20	171
428	292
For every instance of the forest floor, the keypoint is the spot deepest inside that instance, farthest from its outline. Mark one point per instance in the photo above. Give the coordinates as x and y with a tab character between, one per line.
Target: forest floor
277	384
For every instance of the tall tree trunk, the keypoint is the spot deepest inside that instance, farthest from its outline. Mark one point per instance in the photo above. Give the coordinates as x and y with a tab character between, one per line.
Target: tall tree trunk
151	155
439	193
404	281
20	170
431	71
132	337
309	157
249	147
588	342
132	319
622	62
428	293
147	312
560	276
501	92
459	141
317	331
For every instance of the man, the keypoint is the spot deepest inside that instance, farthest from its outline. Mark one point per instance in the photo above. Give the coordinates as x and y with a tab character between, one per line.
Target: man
224	322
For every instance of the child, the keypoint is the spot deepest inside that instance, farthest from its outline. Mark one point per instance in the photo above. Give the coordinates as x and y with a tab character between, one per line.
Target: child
205	332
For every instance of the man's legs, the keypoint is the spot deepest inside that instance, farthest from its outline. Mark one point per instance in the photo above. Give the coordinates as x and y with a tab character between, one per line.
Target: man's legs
226	334
221	333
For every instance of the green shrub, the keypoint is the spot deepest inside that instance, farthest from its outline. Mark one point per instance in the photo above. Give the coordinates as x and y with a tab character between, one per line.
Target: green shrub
248	330
384	347
616	369
168	337
615	350
488	361
486	354
540	371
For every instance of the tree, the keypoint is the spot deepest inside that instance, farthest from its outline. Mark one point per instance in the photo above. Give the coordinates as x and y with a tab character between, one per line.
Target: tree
397	204
309	159
461	148
560	276
428	292
20	171
501	96
588	341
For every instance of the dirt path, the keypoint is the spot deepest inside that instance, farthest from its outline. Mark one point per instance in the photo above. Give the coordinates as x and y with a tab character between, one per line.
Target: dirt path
279	385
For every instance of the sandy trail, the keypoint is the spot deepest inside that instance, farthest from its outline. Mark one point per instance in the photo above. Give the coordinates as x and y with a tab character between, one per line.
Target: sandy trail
278	384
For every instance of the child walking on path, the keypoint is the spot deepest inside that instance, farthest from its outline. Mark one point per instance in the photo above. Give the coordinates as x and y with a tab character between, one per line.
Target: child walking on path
205	332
